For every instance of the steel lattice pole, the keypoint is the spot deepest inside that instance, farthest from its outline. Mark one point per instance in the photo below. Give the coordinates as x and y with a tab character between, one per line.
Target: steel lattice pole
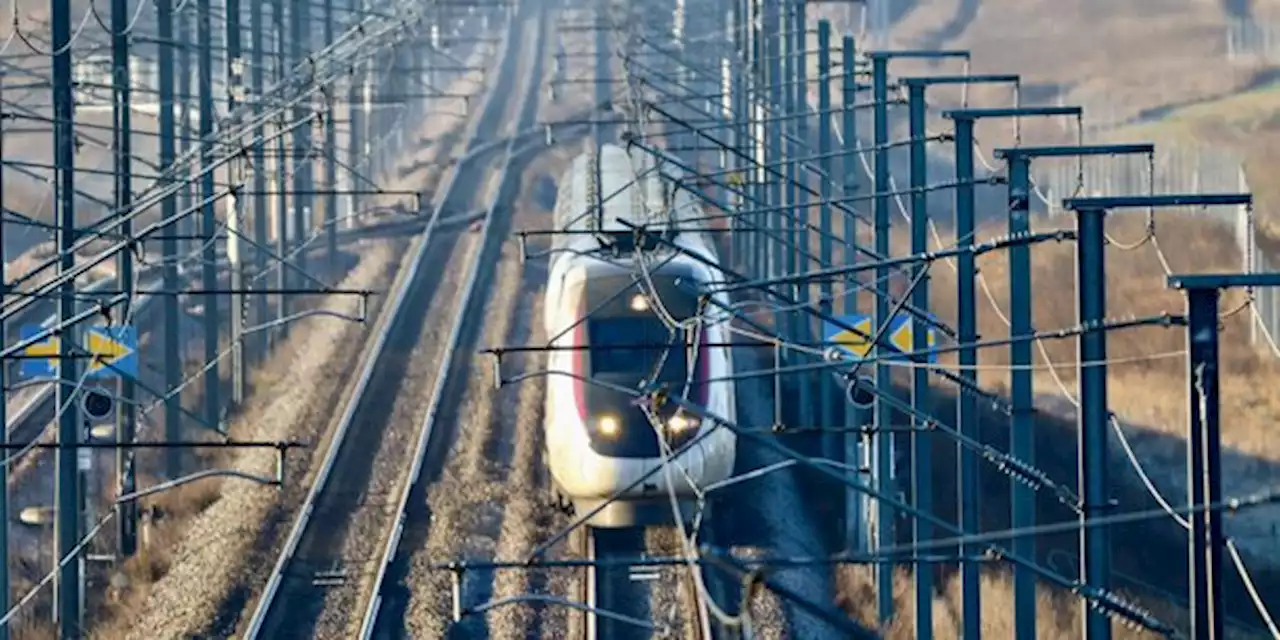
257	74
4	400
235	216
209	221
68	507
126	411
330	153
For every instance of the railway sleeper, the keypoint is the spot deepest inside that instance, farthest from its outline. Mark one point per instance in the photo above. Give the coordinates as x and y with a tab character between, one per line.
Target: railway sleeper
335	574
333	578
342	502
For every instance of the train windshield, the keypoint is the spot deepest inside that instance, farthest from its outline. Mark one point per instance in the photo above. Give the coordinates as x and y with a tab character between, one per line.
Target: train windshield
636	345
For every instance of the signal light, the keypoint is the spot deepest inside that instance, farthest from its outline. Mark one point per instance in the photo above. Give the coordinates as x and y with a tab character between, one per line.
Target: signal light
97	405
861	392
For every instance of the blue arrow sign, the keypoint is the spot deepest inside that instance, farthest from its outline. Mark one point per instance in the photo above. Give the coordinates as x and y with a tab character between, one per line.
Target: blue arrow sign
116	346
857	347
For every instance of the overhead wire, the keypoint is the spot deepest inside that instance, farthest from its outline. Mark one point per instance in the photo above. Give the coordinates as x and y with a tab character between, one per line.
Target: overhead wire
1050	367
636	102
10	309
132	295
1113	419
699	320
17	30
900	206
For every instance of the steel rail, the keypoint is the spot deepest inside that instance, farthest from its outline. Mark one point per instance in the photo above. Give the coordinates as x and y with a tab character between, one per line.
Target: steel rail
588	588
702	623
391	319
481	267
610	586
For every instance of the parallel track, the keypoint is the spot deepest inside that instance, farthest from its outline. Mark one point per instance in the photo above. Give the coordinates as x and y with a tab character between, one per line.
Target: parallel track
617	595
292	590
610	591
442	416
26	421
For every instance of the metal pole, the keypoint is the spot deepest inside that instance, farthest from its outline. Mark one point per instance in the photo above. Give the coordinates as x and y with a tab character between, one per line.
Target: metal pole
370	126
922	440
884	516
855	517
331	150
1022	443
759	189
773	146
235	217
967	357
1095	552
302	184
67	527
783	105
169	245
126	408
800	199
1204	475
831	439
732	90
739	90
355	123
284	277
209	273
188	225
4	400
257	28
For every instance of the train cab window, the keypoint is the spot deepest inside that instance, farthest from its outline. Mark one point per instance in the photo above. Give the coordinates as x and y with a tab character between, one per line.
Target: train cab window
629	348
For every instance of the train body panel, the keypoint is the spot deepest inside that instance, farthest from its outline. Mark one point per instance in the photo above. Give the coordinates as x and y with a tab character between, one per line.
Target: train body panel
598	440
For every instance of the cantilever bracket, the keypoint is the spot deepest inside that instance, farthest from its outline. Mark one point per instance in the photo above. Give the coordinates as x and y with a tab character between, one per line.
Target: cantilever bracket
276	481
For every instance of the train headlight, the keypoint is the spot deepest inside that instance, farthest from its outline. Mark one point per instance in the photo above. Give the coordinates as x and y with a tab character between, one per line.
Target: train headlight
680	423
639	303
608	425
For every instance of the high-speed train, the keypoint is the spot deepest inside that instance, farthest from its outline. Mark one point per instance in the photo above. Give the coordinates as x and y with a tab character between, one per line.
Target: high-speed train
615	325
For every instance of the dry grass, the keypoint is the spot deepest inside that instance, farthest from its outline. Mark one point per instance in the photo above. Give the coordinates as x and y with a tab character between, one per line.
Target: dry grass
1160	65
1056	617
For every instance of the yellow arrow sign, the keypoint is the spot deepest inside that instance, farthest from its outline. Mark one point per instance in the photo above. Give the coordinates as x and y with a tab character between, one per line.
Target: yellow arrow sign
47	349
901	337
855	343
104	349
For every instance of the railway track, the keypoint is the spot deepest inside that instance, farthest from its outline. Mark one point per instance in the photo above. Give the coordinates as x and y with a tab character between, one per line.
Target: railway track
28	417
638	600
411	589
331	578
